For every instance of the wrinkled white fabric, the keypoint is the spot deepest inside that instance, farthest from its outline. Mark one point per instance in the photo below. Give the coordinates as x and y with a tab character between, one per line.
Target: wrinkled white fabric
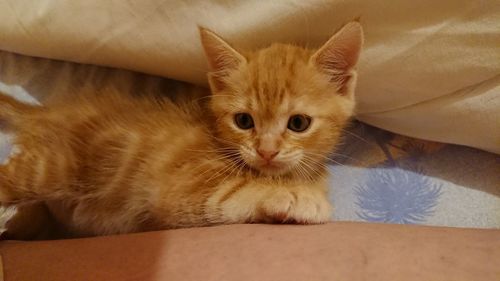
430	69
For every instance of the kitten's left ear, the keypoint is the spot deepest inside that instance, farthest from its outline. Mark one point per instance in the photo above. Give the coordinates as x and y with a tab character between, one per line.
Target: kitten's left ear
222	58
339	55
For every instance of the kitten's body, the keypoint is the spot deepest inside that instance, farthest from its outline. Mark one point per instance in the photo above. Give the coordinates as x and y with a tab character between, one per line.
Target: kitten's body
110	163
108	170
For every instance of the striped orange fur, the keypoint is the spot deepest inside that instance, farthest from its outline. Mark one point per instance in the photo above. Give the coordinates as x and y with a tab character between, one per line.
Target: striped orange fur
110	163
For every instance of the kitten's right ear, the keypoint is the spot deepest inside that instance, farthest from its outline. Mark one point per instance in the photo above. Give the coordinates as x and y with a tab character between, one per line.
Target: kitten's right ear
222	58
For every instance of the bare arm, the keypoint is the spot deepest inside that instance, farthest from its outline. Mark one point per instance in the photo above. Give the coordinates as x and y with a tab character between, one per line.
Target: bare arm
337	251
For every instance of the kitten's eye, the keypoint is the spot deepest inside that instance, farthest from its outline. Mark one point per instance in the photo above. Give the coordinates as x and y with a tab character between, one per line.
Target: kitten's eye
299	122
243	121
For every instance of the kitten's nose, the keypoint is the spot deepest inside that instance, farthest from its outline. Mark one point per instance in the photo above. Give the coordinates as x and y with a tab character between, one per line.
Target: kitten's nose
267	154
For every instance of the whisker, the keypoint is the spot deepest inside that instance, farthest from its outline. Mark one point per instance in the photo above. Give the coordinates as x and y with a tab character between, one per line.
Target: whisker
324	157
221	158
223	140
213	150
357	136
221	171
308	172
311	163
304	171
335	154
345	156
241	167
238	164
224	156
300	170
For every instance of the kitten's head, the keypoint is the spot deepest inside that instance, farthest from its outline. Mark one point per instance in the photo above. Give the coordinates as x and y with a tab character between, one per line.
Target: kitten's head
281	109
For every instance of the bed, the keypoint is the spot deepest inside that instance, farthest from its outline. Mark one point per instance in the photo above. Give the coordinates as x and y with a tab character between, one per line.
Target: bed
375	176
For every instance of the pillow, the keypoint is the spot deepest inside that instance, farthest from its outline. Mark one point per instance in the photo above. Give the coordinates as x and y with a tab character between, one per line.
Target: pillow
430	69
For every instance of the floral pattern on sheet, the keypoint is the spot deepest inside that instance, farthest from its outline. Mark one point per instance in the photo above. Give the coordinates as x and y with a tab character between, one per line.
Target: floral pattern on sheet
396	195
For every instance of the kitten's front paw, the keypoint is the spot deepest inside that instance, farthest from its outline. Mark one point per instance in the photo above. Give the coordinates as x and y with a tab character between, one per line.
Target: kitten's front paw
296	207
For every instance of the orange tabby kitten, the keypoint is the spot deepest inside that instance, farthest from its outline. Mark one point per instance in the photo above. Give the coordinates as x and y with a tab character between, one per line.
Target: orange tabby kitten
256	152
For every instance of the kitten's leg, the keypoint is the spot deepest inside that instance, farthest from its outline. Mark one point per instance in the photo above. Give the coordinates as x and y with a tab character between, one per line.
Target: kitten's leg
271	202
30	222
302	203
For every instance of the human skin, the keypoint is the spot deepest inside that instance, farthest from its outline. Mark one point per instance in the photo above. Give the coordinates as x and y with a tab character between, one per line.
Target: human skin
335	251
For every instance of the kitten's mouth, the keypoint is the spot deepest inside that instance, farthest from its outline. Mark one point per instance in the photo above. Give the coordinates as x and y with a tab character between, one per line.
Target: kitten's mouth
272	168
271	165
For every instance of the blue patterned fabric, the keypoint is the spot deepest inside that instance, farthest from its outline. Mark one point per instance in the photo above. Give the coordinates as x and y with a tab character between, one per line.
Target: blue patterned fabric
395	195
381	177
